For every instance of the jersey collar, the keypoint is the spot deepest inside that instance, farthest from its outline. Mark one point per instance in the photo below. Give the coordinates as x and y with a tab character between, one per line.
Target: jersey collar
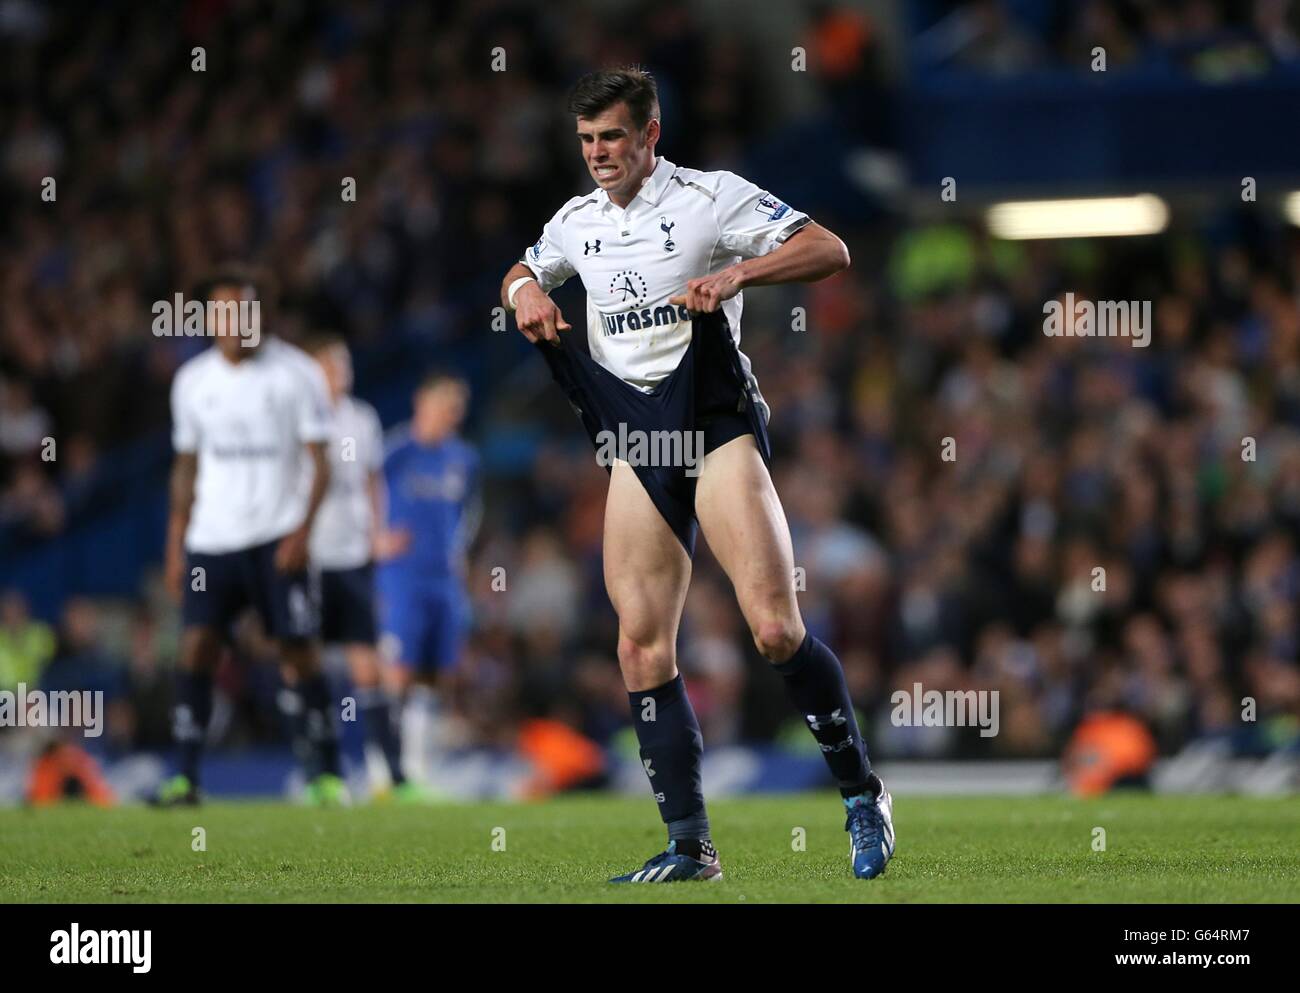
652	188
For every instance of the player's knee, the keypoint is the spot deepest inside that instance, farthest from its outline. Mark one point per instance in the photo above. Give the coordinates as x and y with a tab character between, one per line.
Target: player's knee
200	650
363	666
364	678
300	655
645	664
777	638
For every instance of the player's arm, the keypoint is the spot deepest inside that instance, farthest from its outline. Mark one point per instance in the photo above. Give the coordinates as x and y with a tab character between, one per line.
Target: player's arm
291	553
530	281
810	254
320	481
313	416
378	495
536	314
384	544
775	244
185	470
387	543
471	517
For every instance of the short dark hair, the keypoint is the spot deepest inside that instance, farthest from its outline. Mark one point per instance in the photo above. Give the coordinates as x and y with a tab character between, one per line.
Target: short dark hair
600	90
322	341
237	274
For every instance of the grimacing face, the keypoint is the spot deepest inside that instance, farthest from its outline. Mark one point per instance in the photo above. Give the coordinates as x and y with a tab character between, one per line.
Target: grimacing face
618	156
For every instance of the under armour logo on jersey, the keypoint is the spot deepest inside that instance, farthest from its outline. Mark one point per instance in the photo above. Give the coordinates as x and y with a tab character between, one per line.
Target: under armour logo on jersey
833	719
648	771
588	246
667	229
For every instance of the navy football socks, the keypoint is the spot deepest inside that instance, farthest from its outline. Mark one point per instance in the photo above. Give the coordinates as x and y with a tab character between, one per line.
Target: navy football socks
190	715
814	680
321	726
672	750
378	728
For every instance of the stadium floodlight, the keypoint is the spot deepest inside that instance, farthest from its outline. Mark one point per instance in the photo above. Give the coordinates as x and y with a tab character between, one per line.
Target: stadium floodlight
1291	207
1091	217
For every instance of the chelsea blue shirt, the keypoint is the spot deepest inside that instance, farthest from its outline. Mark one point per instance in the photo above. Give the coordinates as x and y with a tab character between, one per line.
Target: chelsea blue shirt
433	495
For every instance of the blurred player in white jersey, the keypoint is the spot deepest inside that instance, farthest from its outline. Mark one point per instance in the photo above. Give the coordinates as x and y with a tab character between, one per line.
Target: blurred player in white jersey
250	421
664	252
347	539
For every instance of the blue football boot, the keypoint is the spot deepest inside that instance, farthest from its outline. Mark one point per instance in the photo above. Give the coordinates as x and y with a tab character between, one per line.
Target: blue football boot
669	867
870	824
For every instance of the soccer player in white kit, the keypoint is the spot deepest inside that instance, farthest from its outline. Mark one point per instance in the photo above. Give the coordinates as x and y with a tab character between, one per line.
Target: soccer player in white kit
346	540
664	253
250	420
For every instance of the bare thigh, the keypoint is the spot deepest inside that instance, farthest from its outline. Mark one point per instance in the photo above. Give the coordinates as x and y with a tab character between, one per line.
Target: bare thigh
646	574
744	523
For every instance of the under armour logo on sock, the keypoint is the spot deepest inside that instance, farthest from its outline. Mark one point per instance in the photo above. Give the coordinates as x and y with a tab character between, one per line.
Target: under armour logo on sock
834	719
184	726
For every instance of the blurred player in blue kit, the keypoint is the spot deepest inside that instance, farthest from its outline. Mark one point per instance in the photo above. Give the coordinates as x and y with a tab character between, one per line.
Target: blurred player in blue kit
432	481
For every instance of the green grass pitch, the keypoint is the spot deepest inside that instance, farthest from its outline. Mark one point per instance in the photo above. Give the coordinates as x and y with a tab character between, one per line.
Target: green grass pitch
951	849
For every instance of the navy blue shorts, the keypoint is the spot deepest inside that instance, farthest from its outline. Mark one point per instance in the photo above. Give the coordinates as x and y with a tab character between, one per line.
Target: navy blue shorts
347	606
708	392
286	602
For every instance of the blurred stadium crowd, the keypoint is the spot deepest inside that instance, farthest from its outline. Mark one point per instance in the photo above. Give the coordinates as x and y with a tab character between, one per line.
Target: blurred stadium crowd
980	572
1209	39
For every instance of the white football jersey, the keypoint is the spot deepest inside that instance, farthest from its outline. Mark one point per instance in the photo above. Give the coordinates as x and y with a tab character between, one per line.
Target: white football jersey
683	224
249	422
342	533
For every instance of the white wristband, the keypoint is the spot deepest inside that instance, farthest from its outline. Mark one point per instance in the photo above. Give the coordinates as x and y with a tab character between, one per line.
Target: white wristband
514	288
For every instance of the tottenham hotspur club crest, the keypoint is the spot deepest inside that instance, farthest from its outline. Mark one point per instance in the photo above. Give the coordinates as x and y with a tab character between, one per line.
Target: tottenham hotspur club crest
667	228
